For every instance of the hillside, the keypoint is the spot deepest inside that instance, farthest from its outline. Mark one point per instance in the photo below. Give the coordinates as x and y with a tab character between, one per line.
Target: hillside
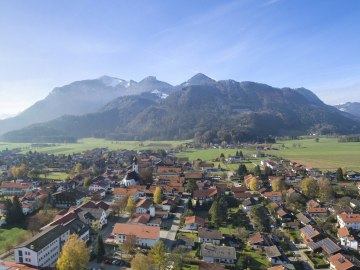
201	107
350	107
82	97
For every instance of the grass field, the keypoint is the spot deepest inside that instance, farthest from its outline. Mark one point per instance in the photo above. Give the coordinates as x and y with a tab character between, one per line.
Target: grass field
55	175
11	237
327	154
92	143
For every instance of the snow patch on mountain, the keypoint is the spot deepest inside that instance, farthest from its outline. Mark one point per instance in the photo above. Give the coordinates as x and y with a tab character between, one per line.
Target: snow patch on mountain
160	94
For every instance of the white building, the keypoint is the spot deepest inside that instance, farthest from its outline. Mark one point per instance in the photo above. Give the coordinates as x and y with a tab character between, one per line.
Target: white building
146	236
132	176
349	220
43	249
145	206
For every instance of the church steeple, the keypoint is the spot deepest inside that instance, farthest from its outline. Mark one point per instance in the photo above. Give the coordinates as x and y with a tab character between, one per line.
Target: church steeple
135	166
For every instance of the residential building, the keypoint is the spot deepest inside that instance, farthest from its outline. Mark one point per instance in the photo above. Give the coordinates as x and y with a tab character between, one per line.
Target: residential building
14	188
194	222
218	254
209	236
349	220
146	236
343	262
43	249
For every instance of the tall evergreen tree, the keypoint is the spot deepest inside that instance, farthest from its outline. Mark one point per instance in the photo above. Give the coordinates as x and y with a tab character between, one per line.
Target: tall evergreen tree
257	170
242	170
16	210
100	247
8	211
339	174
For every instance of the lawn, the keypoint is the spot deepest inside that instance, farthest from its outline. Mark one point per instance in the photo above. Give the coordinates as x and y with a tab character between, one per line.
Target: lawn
92	143
254	260
327	154
190	267
54	175
188	235
12	237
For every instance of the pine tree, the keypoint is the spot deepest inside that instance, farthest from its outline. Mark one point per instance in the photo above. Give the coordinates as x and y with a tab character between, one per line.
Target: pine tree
257	170
100	247
339	174
8	210
241	154
191	186
189	204
16	210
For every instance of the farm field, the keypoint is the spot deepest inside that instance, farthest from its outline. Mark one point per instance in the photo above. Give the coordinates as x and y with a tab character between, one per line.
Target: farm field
55	176
12	237
91	143
327	154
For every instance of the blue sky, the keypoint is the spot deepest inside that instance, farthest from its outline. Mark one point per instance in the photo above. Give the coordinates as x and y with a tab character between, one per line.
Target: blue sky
44	44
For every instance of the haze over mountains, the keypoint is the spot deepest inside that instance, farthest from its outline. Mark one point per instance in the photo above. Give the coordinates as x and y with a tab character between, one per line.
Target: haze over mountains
151	109
350	107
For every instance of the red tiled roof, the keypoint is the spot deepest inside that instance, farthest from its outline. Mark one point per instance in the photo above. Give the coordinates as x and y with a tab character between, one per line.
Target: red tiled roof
140	231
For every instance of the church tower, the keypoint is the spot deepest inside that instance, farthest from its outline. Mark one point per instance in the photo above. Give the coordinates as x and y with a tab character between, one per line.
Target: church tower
135	166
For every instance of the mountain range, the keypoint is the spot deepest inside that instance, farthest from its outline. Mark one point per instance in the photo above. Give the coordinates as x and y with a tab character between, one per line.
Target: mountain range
201	107
350	107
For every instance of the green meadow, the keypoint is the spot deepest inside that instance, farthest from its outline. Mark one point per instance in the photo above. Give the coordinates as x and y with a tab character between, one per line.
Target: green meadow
12	237
91	143
327	154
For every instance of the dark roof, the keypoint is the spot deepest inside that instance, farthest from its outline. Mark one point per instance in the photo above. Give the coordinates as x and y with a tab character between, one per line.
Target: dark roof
76	226
224	252
302	218
210	234
44	238
185	241
272	252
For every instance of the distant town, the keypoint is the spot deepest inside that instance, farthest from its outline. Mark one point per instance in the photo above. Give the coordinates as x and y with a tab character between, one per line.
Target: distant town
159	209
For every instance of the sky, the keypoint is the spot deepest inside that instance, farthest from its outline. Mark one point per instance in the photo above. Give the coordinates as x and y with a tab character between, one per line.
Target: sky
283	43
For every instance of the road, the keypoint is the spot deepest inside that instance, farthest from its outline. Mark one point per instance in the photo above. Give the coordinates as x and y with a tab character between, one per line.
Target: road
168	237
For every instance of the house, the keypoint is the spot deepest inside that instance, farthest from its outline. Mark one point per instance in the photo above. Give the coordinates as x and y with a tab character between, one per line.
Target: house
283	215
135	191
312	204
317	212
169	204
303	219
209	236
310	234
145	206
100	185
248	203
14	188
68	198
218	254
146	236
194	222
327	246
184	242
343	262
274	196
256	240
273	254
204	195
43	249
347	239
349	220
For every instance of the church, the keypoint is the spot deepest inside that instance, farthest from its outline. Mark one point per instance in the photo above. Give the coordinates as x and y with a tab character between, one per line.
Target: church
132	177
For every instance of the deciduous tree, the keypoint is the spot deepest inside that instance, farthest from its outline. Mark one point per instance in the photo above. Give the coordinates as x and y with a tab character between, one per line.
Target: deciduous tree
74	255
129	244
142	262
131	205
254	184
158	255
158	195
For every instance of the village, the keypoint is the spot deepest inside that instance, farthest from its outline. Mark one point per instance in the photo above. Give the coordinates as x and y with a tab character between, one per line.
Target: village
193	214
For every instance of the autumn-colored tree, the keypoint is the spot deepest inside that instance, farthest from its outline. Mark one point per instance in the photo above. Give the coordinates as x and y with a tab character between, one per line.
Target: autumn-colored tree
158	195
19	172
158	255
146	175
129	245
278	184
119	205
130	206
74	254
254	184
191	186
326	192
142	262
309	187
40	219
